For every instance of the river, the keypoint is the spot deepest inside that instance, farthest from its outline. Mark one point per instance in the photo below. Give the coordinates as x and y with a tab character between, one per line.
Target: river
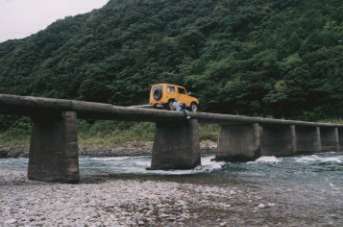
290	191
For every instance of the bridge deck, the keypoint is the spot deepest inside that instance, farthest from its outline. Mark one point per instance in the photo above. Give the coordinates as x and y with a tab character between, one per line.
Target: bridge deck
29	106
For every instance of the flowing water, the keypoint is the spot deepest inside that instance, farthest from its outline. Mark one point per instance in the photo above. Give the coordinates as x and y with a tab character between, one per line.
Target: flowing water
308	187
323	171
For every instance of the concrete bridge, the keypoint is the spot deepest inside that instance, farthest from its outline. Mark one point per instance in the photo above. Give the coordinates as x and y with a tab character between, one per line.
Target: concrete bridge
54	147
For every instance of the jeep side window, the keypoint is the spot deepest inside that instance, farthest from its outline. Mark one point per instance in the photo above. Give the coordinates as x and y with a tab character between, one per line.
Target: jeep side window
181	90
171	89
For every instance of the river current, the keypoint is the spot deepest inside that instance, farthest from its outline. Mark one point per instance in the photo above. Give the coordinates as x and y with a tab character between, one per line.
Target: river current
320	171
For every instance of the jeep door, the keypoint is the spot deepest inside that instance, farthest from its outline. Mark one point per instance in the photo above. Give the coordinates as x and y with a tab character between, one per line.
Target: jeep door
182	96
171	93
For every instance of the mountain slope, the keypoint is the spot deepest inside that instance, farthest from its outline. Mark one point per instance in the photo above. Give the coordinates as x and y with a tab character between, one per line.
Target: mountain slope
271	57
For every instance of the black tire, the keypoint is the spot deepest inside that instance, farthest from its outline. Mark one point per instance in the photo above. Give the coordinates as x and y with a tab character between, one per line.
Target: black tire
157	94
194	107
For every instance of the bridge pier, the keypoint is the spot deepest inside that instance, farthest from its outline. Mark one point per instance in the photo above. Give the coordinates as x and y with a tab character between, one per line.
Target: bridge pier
239	143
278	140
329	139
54	152
176	146
340	139
308	139
247	142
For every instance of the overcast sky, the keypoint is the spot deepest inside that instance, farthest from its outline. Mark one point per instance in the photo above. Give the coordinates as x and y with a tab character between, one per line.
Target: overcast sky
20	18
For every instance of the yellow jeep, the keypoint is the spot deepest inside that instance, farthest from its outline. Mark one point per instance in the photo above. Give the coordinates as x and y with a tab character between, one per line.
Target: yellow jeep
163	95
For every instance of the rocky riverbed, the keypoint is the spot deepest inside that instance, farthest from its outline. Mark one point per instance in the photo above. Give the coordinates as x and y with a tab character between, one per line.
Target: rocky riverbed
119	202
268	192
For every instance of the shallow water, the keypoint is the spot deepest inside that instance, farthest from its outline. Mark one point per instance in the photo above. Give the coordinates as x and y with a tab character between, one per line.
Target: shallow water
323	170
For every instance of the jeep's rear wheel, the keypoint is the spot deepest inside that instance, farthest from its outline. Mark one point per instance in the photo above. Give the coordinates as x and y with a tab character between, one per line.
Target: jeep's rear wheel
194	107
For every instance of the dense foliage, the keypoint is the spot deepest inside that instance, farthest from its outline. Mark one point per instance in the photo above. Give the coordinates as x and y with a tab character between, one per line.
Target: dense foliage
267	57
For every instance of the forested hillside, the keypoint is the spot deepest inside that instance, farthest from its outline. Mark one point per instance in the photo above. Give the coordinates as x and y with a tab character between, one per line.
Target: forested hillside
267	57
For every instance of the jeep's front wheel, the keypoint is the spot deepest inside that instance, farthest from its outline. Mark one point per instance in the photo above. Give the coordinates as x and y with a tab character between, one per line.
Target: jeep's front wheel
194	107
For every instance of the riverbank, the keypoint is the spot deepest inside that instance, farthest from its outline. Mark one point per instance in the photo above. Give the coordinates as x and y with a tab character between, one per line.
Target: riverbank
133	148
134	203
100	139
129	202
293	191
